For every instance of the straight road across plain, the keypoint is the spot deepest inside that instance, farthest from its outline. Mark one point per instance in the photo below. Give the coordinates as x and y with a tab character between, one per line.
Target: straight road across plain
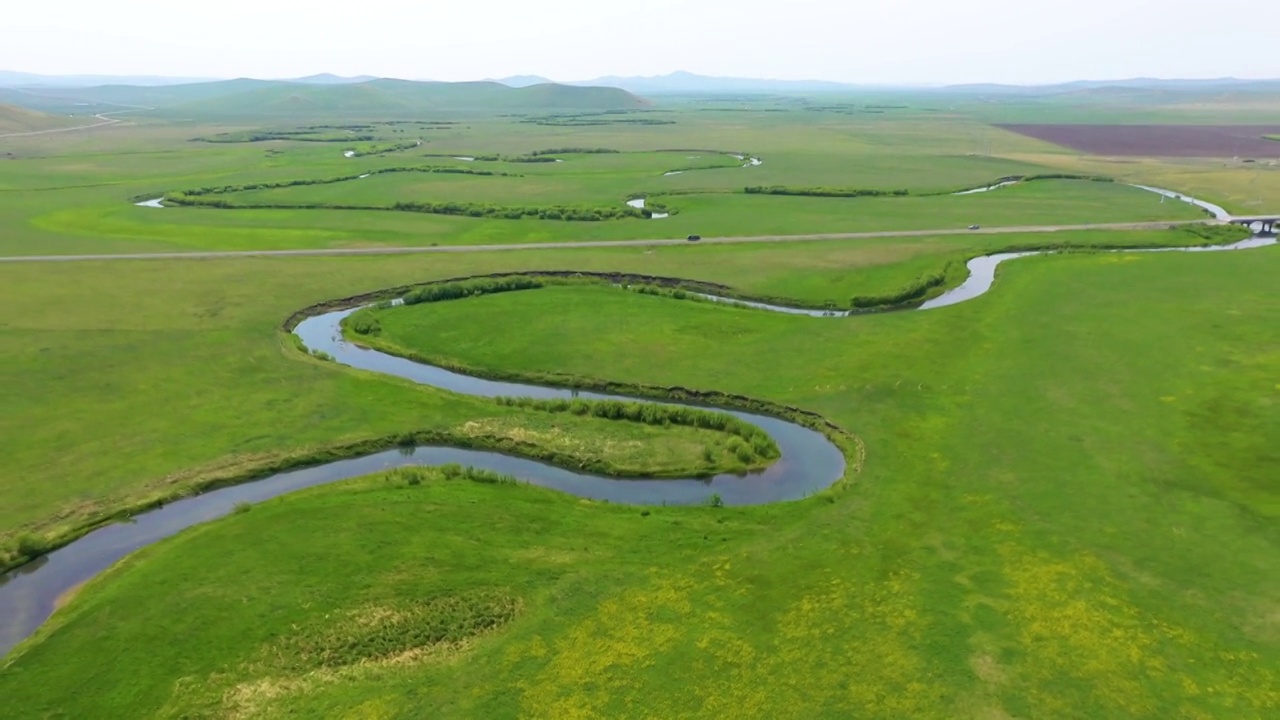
657	242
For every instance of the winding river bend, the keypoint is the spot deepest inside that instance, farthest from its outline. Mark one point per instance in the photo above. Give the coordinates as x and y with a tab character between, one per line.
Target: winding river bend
809	462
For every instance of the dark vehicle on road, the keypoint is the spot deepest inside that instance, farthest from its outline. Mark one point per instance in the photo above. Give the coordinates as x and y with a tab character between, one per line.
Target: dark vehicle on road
694	238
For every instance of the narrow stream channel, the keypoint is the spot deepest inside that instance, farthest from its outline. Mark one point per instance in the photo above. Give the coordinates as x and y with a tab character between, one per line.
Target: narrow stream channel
982	275
809	462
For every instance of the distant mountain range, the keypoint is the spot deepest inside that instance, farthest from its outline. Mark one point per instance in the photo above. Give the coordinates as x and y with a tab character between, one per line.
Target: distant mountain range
685	83
331	79
676	83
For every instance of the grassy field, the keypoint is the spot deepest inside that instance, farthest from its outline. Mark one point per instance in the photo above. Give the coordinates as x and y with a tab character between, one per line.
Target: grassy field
102	364
73	194
1025	539
1068	506
101	356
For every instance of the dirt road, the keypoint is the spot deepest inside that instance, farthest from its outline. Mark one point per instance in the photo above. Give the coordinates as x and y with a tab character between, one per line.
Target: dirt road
105	119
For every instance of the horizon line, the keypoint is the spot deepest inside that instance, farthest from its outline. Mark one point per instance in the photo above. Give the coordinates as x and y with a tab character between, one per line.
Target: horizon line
365	77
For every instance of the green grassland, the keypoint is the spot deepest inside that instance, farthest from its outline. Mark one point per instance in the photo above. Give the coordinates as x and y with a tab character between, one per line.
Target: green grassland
1157	106
1026	538
1241	188
1067	507
76	197
101	356
606	322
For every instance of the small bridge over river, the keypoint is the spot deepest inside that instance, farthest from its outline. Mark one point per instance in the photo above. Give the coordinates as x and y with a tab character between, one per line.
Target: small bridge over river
1264	224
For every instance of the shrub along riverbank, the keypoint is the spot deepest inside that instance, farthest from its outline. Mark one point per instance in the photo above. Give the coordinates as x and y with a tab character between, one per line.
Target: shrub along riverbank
758	446
217	197
385	149
229	189
464	209
314	133
840	192
822	192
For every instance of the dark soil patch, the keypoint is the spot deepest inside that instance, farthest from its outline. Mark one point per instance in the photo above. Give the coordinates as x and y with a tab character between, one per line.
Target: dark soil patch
1225	141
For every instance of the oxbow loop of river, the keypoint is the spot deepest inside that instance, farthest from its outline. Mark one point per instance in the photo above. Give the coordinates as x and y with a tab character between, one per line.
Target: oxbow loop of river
809	461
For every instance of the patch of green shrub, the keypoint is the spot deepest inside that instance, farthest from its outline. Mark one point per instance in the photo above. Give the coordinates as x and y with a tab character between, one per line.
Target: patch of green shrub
748	441
911	293
823	191
1217	234
454	471
31	545
365	322
574	151
467	288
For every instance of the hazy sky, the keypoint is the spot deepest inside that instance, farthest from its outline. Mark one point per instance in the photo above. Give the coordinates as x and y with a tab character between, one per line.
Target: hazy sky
908	41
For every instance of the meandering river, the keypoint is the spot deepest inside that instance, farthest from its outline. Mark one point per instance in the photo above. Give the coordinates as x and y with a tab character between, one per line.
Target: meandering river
809	462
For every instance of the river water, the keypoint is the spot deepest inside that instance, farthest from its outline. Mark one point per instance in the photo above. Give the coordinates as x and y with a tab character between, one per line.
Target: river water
638	203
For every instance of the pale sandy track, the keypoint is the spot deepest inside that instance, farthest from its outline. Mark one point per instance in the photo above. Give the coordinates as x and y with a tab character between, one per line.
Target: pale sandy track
105	119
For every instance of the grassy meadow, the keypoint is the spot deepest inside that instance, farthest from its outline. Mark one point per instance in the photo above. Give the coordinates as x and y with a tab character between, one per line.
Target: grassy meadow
1067	508
1025	537
103	355
73	195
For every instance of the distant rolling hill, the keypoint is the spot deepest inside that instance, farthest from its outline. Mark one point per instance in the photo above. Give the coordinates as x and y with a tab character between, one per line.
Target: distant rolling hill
245	99
519	81
400	98
686	83
331	79
153	96
23	120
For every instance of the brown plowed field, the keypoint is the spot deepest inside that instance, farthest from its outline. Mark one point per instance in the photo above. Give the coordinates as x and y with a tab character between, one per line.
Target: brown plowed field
1225	141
